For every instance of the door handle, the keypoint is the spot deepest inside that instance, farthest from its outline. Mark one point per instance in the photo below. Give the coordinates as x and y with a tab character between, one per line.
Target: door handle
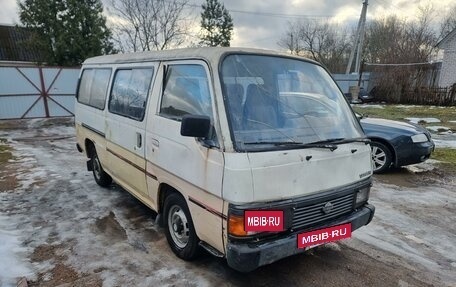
138	140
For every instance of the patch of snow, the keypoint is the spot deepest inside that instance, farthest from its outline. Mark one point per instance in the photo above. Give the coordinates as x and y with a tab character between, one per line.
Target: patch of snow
444	143
452	121
414	238
426	120
423	166
371	106
406	106
12	262
438	128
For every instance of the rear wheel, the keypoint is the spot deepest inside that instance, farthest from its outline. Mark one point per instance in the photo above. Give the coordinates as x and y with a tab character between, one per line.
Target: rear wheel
381	157
101	177
179	228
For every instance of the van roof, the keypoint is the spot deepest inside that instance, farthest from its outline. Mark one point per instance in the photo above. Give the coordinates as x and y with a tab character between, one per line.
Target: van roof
208	53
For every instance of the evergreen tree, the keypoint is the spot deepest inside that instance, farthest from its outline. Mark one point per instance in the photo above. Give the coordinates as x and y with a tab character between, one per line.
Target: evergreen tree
66	32
216	24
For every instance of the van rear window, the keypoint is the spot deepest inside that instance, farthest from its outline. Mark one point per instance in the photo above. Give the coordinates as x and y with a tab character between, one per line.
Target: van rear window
93	87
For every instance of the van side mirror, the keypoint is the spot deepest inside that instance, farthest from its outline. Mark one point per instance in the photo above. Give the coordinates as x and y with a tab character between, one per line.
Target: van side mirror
195	126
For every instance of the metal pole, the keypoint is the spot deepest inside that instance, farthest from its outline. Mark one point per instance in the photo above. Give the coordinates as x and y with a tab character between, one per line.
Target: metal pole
359	54
356	44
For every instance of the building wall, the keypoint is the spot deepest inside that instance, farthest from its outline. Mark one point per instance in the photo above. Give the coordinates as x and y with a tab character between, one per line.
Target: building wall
448	73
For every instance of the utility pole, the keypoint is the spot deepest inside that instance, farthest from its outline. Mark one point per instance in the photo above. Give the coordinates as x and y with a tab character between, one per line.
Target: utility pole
359	41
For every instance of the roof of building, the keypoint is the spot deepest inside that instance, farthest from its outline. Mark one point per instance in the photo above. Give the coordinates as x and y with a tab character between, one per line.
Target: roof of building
448	38
13	45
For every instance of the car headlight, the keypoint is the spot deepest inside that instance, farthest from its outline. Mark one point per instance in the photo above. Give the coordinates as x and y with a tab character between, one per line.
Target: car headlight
419	138
362	196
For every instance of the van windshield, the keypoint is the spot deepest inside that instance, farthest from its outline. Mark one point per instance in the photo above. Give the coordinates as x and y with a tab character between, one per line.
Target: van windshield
274	100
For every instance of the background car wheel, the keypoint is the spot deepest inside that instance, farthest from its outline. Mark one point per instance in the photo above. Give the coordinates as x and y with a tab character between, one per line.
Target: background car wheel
381	157
101	177
179	228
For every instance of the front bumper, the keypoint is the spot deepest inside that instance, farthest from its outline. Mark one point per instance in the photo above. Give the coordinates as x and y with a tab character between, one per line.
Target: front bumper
417	153
246	257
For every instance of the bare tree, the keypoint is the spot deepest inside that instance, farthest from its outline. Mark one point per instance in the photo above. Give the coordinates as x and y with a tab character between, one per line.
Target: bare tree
449	23
406	47
145	25
291	40
319	40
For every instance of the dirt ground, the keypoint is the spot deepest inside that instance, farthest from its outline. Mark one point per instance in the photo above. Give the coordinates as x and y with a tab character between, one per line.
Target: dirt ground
58	228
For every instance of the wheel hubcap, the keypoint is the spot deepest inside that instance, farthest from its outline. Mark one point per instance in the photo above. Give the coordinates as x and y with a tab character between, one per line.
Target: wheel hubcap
378	157
178	226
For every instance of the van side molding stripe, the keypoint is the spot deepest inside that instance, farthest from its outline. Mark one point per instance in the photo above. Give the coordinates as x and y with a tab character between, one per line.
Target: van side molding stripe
132	164
210	209
93	130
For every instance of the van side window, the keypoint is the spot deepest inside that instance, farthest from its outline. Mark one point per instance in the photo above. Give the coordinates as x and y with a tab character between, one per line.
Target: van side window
93	87
129	92
186	92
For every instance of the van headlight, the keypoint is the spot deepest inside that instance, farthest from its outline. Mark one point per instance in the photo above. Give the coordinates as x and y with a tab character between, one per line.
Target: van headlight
362	196
419	138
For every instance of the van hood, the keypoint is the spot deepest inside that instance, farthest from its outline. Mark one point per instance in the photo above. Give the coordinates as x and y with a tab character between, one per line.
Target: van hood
285	174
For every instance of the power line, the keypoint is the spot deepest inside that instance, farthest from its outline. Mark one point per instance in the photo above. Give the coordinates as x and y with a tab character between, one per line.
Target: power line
404	64
269	14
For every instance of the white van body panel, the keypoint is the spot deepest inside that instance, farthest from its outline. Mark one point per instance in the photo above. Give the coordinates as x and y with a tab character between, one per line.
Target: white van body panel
237	179
185	164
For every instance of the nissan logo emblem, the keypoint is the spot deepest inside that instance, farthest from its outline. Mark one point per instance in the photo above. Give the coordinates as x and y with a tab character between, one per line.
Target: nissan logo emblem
327	207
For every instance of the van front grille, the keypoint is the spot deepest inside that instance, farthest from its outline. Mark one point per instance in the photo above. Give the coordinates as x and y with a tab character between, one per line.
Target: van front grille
310	215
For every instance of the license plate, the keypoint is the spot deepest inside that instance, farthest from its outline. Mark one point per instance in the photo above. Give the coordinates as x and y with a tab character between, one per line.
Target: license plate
325	235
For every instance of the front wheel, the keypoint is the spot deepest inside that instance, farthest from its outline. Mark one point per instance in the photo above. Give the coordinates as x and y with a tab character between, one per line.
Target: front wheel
179	228
381	157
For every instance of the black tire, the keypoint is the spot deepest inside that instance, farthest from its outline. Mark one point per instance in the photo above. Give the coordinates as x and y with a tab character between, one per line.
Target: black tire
382	157
179	228
101	177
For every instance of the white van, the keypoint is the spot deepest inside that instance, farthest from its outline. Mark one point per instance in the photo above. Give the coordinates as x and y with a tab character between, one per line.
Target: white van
250	154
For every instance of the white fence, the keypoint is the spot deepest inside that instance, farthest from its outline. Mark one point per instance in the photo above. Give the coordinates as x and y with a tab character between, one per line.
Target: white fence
345	81
37	92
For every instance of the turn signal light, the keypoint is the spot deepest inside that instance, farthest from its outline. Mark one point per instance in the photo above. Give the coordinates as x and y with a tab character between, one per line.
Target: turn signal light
236	225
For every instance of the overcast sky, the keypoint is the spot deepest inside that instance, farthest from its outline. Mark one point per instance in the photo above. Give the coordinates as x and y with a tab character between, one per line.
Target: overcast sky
261	23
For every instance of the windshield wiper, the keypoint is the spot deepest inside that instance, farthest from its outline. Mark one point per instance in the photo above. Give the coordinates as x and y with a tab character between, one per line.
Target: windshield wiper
330	144
342	141
331	147
273	143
